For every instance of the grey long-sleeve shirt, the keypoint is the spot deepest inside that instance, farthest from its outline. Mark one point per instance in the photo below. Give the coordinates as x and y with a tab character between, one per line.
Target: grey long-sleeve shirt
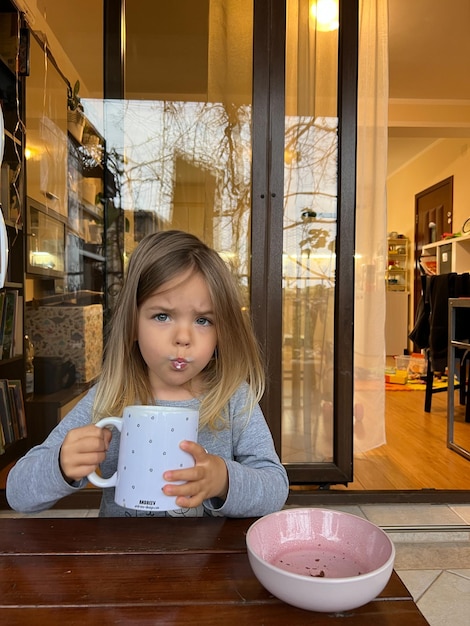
258	482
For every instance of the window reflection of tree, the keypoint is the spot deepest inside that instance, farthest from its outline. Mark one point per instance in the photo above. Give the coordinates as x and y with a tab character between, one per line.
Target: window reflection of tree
215	138
309	245
115	226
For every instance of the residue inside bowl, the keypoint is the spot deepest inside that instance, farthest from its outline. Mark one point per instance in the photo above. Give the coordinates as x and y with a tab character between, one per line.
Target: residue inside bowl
318	562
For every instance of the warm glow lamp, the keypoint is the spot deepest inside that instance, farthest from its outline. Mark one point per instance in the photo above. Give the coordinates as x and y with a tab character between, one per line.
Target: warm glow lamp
326	14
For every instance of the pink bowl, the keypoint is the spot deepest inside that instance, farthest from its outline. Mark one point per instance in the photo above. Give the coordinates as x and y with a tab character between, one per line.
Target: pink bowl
320	559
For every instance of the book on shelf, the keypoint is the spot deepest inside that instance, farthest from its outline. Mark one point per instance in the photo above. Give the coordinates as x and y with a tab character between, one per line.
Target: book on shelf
428	265
5	412
16	390
12	412
7	328
18	339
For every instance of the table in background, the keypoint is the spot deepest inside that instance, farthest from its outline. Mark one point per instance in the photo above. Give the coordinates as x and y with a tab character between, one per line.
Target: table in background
154	571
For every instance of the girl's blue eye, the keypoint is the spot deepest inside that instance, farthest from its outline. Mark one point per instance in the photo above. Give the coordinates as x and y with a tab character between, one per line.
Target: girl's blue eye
203	321
161	317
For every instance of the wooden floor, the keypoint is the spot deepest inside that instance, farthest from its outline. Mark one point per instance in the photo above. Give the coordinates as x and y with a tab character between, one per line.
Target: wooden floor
416	455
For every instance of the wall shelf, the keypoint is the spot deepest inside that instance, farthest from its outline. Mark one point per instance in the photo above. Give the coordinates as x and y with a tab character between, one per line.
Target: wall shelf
397	270
452	255
397	296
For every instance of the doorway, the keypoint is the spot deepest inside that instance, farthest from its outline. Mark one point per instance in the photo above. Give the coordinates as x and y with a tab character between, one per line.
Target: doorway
433	218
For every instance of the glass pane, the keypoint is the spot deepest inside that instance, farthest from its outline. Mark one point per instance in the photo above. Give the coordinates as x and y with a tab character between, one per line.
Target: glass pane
46	139
180	141
64	155
46	248
310	203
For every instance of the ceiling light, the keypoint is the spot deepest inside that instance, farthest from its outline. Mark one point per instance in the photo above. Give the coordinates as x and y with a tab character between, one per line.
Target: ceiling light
326	14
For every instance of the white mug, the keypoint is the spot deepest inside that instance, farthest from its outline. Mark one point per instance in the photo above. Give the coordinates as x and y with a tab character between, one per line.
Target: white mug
150	438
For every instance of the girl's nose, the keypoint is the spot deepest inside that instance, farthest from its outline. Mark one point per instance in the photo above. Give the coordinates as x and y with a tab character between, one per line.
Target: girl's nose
182	337
182	342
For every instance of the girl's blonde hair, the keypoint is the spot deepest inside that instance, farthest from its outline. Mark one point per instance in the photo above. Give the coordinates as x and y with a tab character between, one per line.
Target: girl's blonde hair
124	380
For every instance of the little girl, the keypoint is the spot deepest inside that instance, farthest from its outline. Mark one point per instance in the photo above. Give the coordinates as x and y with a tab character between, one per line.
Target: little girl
178	337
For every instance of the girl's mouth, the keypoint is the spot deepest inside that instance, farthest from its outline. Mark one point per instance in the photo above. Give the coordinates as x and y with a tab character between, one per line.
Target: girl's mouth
179	363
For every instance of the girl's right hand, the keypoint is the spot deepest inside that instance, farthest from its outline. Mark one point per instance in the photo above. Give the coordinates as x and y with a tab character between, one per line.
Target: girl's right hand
83	450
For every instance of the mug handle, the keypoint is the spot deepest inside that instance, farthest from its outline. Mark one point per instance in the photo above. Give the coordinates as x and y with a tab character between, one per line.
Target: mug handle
99	481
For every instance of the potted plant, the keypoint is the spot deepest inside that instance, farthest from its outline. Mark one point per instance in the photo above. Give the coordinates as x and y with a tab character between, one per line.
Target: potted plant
75	116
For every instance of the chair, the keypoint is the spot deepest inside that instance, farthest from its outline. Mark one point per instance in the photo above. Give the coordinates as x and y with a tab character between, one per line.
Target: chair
432	329
463	385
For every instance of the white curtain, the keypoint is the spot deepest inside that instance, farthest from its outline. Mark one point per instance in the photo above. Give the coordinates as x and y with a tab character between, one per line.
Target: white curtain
371	226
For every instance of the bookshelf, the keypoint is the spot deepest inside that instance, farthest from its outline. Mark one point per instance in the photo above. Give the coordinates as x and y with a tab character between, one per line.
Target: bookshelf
449	255
12	402
397	270
397	275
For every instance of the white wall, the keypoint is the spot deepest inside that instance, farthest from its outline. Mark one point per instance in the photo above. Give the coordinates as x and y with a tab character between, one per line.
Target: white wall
444	158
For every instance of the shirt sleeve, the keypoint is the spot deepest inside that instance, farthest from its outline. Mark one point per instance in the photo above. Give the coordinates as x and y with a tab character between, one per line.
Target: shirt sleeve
258	482
35	483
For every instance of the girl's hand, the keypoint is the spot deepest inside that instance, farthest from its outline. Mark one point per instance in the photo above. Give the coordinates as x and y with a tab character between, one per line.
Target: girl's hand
207	479
83	450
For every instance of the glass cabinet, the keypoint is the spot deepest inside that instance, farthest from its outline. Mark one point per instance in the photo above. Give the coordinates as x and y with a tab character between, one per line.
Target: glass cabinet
46	241
85	241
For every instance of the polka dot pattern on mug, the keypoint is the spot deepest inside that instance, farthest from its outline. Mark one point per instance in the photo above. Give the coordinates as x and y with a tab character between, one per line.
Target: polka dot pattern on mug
150	445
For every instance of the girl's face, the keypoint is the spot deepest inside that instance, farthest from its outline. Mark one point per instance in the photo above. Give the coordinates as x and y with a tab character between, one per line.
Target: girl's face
177	335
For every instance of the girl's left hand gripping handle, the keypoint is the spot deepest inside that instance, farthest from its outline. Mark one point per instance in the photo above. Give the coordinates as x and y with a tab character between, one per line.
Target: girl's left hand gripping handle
99	481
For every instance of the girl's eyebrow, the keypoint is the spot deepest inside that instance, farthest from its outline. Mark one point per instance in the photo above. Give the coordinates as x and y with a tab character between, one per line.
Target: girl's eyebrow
167	309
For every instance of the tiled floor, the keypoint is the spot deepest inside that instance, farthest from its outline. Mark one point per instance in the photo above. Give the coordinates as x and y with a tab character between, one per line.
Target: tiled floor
432	553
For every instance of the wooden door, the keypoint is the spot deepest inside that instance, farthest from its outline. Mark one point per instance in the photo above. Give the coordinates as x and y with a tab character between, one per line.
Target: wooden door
433	217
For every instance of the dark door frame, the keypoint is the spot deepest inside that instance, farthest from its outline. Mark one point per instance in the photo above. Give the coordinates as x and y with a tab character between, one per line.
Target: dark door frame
267	228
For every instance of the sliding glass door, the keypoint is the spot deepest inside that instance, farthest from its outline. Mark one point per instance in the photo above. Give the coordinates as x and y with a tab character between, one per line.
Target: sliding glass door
317	235
235	120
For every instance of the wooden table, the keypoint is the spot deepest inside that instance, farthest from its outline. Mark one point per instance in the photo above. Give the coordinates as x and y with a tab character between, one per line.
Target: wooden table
153	571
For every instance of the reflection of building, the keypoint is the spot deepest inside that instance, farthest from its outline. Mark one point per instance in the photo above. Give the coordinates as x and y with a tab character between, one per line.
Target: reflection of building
194	199
189	163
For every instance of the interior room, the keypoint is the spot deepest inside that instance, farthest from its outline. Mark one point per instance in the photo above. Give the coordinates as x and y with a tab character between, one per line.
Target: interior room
428	130
245	122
